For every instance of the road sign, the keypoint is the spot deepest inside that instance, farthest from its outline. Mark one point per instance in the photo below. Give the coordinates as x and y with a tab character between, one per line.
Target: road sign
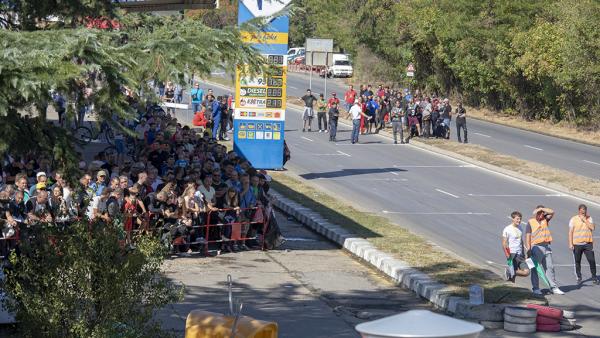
319	45
259	115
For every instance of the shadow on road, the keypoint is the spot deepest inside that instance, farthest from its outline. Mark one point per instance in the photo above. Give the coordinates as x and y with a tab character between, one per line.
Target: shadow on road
349	172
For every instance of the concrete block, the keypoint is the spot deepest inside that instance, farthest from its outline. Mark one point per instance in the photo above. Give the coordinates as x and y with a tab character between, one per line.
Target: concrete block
486	312
453	302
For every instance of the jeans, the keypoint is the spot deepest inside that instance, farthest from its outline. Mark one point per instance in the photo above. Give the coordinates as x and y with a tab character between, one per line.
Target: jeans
355	130
461	124
397	127
321	116
216	125
195	107
542	254
333	129
426	128
588	250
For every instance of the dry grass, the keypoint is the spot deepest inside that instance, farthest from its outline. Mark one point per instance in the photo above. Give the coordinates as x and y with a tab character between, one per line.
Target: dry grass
401	243
543	172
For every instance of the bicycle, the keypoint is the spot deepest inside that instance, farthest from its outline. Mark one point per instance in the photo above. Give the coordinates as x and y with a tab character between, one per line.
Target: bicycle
88	134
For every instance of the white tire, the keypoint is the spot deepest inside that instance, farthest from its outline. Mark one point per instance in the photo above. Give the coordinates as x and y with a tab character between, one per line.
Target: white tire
567	327
521	312
565	321
520	328
492	325
569	314
519	320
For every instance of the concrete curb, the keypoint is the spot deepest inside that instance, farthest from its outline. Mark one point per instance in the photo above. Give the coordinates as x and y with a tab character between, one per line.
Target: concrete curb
401	272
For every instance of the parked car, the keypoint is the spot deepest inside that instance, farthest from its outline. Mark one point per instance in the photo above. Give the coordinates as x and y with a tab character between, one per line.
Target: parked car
294	52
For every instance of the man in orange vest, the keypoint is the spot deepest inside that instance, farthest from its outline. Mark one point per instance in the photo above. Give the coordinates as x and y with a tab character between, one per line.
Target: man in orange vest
580	242
538	239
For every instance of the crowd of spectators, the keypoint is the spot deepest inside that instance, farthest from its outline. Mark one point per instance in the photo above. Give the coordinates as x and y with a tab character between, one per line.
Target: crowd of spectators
183	187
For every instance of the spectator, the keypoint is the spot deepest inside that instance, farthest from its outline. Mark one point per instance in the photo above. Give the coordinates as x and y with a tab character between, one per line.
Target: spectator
334	114
308	114
349	98
196	97
461	122
321	113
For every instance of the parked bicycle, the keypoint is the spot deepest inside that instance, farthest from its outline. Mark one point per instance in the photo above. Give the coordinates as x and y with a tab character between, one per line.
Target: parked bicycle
90	133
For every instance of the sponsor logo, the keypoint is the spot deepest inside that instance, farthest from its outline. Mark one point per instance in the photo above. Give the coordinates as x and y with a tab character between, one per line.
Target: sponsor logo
253	91
253	103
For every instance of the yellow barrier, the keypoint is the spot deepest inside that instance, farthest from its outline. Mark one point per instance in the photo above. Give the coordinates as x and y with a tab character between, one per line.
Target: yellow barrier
204	324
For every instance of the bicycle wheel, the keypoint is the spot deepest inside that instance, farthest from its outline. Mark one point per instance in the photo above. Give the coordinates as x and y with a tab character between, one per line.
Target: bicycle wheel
109	136
110	151
83	134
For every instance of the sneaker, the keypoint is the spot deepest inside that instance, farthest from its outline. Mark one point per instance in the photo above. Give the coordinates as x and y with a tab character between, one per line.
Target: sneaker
579	281
537	292
402	142
226	139
507	275
596	281
395	142
303	130
557	291
320	130
309	130
325	131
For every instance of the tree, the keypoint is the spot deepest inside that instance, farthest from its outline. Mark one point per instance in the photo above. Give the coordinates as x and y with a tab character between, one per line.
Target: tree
82	282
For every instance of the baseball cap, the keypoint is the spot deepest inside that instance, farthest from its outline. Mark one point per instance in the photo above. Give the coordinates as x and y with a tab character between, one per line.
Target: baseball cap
333	93
41	173
101	173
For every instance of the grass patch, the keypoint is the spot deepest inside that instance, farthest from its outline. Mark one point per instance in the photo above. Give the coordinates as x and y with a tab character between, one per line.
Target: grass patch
401	243
540	171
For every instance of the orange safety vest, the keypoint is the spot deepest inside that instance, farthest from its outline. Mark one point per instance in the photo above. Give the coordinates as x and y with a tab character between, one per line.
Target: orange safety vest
581	233
539	232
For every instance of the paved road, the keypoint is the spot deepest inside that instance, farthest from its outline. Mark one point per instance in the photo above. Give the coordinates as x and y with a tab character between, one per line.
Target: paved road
576	157
458	206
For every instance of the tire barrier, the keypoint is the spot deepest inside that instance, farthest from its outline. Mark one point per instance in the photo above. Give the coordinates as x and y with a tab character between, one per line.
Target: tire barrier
519	320
548	327
522	312
541	320
520	328
547	311
569	314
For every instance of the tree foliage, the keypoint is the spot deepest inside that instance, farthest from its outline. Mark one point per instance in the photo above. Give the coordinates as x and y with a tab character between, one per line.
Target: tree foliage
81	282
540	59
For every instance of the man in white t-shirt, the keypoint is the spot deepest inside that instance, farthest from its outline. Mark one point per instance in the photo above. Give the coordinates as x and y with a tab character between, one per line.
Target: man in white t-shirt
356	112
512	242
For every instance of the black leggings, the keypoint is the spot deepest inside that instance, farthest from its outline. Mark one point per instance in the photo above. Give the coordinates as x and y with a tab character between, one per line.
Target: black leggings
588	250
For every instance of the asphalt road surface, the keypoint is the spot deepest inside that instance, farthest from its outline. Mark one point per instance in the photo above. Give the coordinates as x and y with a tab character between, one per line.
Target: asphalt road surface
461	207
575	157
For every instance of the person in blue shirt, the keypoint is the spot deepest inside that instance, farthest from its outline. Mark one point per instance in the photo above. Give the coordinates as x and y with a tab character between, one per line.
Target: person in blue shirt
372	108
196	97
216	115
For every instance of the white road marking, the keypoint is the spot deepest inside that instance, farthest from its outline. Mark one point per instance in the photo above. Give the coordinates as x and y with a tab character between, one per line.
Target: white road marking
343	153
365	144
363	179
394	173
484	135
292	87
508	195
327	154
436	213
434	166
446	193
591	162
531	147
497	173
306	138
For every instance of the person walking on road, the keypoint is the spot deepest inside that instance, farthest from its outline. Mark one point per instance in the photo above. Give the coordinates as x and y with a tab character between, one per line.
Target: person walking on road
309	102
356	112
581	240
539	239
321	113
396	119
334	114
512	243
349	98
461	122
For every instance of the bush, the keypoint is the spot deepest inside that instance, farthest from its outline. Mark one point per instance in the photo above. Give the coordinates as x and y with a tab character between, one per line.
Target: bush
82	282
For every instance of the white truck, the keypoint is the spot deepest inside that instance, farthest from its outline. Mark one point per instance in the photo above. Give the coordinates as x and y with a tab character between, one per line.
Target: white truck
342	67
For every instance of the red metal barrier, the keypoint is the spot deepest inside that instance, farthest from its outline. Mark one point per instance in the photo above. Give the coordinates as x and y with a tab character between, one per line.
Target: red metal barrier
236	227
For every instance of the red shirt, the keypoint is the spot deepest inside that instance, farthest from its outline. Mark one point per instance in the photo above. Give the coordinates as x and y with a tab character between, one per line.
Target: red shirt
350	96
333	100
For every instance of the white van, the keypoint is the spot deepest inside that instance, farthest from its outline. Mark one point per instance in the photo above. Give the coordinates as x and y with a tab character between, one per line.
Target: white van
342	67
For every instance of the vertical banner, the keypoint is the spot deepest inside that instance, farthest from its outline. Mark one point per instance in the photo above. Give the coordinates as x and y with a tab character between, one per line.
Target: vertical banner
259	120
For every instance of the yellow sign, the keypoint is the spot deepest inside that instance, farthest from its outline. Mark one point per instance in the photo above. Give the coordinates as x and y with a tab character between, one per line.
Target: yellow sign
241	134
273	97
265	37
276	135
